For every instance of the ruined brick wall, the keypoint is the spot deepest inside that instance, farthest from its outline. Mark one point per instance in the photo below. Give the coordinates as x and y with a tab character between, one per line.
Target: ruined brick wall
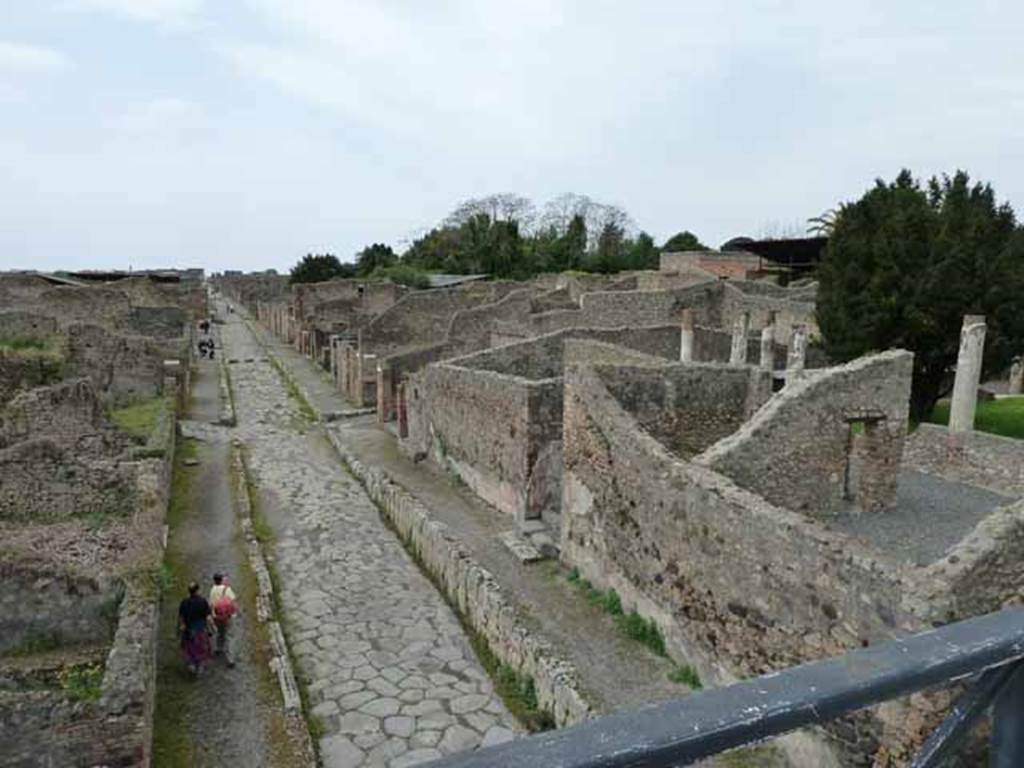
71	609
122	368
755	298
418	319
478	424
26	325
66	412
22	370
470	329
43	480
542	357
739	587
796	451
977	458
157	322
97	305
687	406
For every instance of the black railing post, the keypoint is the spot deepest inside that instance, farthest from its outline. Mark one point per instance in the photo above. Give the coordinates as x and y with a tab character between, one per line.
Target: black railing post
1008	723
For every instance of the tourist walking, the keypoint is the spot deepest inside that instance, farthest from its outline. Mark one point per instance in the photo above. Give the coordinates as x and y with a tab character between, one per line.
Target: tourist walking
193	625
225	606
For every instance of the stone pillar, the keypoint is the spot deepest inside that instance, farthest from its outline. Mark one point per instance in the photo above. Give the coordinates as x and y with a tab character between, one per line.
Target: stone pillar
1016	386
403	414
740	331
686	337
767	361
385	393
797	355
968	374
174	382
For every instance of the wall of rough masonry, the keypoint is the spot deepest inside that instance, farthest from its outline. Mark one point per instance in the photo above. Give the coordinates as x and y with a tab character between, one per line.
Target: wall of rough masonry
26	325
122	368
478	424
470	329
976	458
42	726
799	450
670	548
495	417
687	407
20	370
71	609
66	412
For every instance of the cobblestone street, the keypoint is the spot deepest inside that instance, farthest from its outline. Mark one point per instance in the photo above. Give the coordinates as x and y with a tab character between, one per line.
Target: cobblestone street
391	678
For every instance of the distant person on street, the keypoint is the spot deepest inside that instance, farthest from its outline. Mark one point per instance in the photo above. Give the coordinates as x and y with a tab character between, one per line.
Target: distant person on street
193	621
225	606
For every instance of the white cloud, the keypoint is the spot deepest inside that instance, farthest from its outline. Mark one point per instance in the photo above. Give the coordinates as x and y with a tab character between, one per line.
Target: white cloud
18	58
160	118
165	12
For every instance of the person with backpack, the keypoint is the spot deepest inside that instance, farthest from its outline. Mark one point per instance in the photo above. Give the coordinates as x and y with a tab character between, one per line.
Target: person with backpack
225	606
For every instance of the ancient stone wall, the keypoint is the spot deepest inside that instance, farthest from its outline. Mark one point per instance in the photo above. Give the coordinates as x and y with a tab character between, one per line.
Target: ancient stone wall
26	325
796	451
470	329
122	368
37	603
418	319
64	412
687	406
762	304
671	549
977	458
24	369
478	424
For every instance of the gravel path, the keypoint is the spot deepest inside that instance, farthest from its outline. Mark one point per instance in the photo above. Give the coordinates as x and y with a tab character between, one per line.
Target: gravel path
390	675
932	514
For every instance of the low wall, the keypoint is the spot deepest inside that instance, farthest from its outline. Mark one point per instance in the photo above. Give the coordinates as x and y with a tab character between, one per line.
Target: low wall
687	406
977	458
478	423
38	603
26	325
123	368
797	450
475	593
45	728
669	537
25	369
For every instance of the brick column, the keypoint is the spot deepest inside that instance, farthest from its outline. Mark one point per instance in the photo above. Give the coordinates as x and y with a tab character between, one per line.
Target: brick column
767	361
740	331
797	354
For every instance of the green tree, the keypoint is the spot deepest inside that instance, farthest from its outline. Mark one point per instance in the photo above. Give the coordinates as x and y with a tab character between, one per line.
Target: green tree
683	241
904	264
610	254
316	268
574	244
643	253
373	257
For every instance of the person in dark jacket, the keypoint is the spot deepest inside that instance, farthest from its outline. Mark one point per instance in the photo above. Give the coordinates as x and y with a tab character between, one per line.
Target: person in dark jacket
193	624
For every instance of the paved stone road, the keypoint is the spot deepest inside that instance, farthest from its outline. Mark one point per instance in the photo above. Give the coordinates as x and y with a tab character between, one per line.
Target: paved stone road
391	675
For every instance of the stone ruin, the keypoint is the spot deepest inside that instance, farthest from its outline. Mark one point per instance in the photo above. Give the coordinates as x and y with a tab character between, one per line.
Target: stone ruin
658	428
82	507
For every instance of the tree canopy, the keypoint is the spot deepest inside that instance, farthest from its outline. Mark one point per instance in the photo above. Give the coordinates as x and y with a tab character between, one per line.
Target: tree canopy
316	268
683	241
906	262
373	257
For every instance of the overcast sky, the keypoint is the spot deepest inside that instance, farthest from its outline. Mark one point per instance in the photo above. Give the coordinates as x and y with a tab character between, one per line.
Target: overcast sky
244	133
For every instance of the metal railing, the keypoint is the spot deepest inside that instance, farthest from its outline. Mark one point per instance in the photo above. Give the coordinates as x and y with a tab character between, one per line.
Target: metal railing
985	652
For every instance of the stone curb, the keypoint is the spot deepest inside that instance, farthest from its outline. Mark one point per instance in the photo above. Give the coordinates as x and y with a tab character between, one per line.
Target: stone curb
475	592
471	588
227	407
280	662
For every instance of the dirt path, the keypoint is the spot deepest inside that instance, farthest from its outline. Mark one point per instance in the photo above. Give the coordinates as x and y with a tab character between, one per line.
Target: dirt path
221	718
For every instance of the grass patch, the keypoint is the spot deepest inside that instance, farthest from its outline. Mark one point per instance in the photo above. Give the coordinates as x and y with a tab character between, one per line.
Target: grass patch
49	347
999	417
686	675
37	641
82	682
140	419
631	624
